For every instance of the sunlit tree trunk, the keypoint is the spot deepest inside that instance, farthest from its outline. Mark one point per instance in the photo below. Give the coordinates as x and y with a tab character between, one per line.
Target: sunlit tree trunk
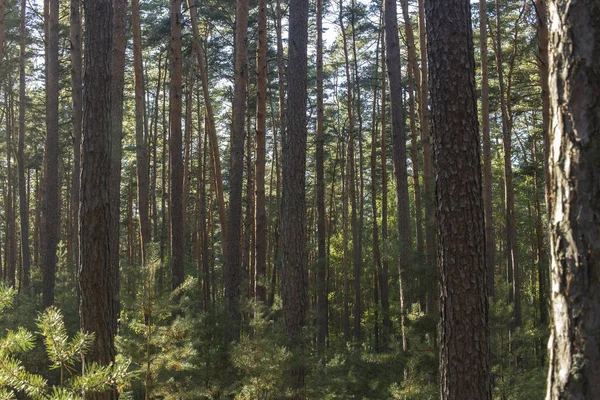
574	66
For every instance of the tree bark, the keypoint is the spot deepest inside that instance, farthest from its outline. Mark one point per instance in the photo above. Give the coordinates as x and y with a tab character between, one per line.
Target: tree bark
428	179
490	245
399	157
141	140
51	209
76	98
386	330
574	66
321	229
23	208
293	268
175	156
233	267
464	336
97	280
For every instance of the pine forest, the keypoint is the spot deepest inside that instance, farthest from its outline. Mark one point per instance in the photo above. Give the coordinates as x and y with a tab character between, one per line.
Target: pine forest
300	199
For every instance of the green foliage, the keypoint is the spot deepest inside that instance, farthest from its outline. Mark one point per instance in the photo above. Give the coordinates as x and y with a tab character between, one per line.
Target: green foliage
64	354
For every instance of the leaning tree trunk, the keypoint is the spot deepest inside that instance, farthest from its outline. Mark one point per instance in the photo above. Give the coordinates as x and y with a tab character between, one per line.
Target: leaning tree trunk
464	337
575	186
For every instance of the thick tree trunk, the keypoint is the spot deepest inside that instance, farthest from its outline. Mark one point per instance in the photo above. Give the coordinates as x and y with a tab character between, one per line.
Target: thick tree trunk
51	209
575	186
490	243
399	157
11	249
23	207
293	268
175	156
464	337
97	280
141	141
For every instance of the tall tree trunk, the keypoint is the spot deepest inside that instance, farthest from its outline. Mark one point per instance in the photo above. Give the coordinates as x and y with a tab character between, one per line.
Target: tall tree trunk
386	330
509	198
575	183
293	268
141	140
399	156
96	279
175	156
490	244
260	217
352	183
11	256
23	207
2	12
214	144
233	267
320	159
119	42
51	209
464	341
542	32
414	84
76	94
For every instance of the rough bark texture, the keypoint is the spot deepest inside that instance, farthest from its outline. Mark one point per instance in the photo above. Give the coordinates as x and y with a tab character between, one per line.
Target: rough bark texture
76	94
398	155
233	266
141	147
51	208
23	210
464	336
293	268
575	187
96	278
320	159
260	216
490	246
10	256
